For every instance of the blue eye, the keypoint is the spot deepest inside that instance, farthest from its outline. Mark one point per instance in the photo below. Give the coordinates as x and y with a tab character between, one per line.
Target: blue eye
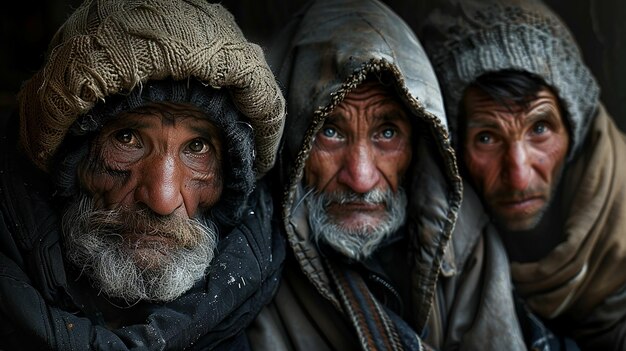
388	133
329	132
540	128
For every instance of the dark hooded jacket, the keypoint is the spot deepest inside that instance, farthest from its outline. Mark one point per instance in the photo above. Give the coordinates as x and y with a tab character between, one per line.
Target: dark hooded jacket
443	278
579	287
157	51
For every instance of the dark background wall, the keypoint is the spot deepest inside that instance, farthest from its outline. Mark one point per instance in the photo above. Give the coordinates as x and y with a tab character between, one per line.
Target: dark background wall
598	25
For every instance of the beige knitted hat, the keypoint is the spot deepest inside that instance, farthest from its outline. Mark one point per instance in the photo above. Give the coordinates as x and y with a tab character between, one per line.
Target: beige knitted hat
109	47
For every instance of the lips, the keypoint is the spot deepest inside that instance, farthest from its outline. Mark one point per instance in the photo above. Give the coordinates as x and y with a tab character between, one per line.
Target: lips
356	207
154	242
526	205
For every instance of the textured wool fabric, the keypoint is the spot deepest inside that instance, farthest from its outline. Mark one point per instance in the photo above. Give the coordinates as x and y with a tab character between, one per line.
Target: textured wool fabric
589	264
111	47
467	38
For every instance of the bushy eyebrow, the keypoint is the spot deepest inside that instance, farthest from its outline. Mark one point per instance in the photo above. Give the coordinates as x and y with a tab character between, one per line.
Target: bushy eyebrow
539	114
386	116
121	123
203	132
543	113
392	116
481	122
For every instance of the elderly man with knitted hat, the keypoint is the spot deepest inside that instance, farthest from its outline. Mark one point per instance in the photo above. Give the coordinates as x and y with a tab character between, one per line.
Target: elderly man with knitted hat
544	154
131	216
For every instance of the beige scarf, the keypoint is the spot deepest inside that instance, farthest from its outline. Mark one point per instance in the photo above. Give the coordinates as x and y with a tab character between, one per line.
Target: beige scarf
591	263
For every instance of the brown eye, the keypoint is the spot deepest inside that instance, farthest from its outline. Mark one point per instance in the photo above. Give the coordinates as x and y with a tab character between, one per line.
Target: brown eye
124	136
198	146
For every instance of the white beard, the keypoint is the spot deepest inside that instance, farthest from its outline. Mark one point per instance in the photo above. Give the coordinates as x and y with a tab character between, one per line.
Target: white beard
357	243
94	243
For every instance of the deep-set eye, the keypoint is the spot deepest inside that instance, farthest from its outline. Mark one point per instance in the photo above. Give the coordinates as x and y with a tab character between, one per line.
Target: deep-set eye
388	133
127	137
198	146
484	138
540	127
329	132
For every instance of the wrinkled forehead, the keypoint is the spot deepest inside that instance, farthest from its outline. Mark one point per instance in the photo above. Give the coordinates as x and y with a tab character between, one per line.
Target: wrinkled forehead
165	114
368	97
168	110
477	103
371	89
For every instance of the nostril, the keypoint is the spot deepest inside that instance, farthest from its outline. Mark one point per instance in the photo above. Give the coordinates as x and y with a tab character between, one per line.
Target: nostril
161	197
361	177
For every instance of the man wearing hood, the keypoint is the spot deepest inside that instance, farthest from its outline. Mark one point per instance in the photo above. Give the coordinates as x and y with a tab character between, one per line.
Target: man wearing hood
544	155
372	196
130	215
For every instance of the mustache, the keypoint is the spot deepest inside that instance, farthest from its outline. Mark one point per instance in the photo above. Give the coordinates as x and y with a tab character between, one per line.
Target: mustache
376	196
121	222
97	242
359	242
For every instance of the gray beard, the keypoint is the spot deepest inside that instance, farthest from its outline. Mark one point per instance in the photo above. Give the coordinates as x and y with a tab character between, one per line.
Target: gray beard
356	243
95	244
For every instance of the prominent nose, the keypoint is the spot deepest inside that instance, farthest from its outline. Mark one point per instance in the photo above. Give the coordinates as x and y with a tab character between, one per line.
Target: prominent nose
359	171
518	170
160	185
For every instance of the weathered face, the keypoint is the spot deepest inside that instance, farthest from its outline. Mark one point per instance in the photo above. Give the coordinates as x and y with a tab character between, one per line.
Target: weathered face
150	175
166	160
358	160
515	157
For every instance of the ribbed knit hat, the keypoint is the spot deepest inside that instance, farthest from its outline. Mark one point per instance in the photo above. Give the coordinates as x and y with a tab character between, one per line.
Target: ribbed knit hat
110	47
468	38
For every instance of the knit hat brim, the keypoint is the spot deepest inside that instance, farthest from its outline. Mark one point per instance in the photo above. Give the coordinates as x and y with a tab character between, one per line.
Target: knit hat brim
111	47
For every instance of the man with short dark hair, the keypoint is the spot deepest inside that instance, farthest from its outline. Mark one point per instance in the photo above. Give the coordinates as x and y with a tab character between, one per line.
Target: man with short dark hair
130	213
545	157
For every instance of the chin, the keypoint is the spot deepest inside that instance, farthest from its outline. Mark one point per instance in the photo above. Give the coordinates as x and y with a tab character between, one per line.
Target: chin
518	224
150	259
150	252
358	222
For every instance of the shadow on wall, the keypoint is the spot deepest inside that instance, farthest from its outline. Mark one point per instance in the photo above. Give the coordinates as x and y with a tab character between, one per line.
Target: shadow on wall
598	26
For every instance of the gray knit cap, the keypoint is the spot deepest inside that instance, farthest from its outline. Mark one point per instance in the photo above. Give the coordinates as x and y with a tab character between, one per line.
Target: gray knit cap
111	47
468	38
